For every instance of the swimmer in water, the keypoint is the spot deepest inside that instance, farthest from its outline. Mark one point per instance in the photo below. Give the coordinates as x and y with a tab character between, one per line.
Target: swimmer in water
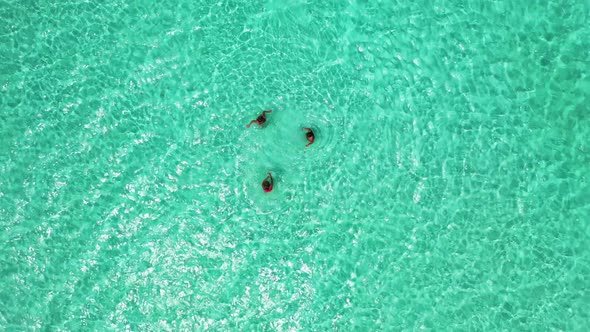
267	183
260	120
310	136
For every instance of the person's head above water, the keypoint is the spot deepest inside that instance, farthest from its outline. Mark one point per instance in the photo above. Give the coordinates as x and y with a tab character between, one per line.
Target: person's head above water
310	136
267	183
260	120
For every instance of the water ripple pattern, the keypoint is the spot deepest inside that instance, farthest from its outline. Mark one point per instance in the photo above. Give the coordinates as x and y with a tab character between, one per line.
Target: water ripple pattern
447	189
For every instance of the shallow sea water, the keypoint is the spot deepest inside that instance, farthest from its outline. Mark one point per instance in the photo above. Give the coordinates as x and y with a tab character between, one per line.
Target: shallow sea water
447	189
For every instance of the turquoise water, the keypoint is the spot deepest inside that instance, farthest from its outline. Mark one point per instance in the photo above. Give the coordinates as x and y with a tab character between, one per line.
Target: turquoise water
447	189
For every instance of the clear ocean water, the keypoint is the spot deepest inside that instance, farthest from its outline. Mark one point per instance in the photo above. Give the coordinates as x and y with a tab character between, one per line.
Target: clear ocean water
447	189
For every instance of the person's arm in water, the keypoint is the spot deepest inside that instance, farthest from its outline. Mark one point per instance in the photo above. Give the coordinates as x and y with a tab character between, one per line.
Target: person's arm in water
268	111
251	122
269	177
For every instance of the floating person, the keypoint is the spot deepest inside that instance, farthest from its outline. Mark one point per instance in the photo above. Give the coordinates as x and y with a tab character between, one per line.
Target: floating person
267	183
260	120
310	136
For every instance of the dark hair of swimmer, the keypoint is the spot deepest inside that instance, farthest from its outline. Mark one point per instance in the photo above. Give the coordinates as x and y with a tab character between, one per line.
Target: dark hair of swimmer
267	183
310	136
260	120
